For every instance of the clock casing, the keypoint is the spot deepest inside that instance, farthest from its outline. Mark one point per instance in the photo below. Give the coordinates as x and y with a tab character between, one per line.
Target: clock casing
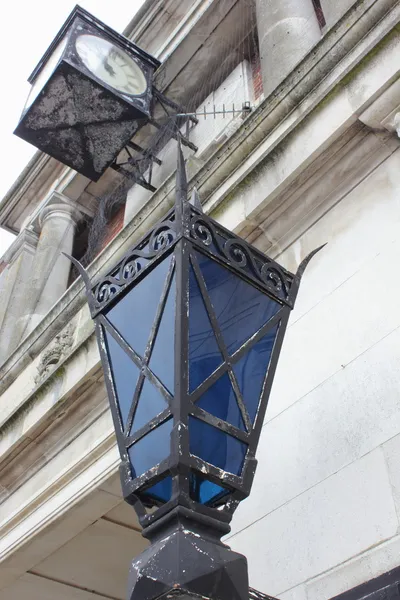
91	92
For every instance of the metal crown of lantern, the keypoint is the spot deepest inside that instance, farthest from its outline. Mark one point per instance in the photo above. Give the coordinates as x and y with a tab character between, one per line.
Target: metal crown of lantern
190	324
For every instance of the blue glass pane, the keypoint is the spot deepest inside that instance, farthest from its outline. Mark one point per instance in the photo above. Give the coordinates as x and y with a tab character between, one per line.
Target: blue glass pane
125	376
162	491
204	354
151	449
162	361
240	308
205	491
251	370
216	447
133	316
151	403
220	401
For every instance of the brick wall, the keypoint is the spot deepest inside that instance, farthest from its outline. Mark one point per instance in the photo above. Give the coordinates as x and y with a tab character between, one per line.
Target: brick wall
319	12
114	226
257	77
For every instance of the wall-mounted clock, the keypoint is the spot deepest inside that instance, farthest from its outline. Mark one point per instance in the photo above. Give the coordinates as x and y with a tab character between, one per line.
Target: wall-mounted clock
91	92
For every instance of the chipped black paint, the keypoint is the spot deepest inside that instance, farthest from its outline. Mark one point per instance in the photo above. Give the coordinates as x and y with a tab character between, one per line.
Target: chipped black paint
77	118
186	557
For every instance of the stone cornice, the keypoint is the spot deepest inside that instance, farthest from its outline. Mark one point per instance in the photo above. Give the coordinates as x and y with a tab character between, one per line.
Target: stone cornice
362	30
26	240
41	170
324	69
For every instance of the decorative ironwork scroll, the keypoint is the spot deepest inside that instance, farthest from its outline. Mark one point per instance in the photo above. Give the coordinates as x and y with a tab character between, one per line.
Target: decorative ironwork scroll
238	253
155	243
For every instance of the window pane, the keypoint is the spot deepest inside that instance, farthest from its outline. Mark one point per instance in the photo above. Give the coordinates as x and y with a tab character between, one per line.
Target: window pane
216	447
133	316
251	370
125	376
204	354
241	309
162	361
220	401
205	491
162	491
151	403
151	449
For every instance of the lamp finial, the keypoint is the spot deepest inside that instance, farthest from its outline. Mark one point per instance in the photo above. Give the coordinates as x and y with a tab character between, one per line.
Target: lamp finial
181	180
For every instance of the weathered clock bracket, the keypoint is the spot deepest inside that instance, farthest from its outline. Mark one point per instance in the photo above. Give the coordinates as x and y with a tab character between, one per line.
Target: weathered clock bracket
139	168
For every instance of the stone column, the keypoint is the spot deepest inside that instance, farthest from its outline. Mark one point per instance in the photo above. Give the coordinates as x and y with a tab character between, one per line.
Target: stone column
287	30
57	223
14	284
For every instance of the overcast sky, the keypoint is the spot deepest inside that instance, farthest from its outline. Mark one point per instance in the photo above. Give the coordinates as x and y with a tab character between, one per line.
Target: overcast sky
28	27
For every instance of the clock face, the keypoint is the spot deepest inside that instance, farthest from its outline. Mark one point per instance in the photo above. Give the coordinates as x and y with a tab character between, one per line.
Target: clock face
45	73
111	64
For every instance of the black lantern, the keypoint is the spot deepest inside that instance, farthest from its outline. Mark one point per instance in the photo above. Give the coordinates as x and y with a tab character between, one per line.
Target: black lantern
91	92
190	324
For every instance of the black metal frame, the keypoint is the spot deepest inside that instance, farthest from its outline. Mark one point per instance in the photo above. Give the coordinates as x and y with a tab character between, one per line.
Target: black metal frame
183	231
122	112
139	168
125	113
91	24
186	557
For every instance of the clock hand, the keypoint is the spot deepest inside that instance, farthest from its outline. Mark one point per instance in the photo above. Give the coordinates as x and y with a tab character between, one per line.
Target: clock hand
108	68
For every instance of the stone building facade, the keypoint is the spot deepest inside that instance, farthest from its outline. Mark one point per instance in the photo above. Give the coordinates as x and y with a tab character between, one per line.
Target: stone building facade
317	161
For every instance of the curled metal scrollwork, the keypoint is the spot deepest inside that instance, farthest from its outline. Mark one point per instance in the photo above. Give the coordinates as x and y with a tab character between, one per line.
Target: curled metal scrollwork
130	269
273	276
161	237
269	272
133	263
240	254
201	231
236	252
105	292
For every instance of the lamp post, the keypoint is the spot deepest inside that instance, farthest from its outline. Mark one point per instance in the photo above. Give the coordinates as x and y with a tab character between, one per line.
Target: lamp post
190	324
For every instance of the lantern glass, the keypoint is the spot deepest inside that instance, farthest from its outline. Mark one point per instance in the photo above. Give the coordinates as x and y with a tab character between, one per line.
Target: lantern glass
161	491
216	446
251	370
225	313
162	359
206	492
230	336
150	404
220	400
133	316
125	375
151	449
240	308
204	354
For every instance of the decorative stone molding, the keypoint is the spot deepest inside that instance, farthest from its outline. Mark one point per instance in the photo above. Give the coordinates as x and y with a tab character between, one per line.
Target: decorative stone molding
396	123
384	112
26	241
56	205
58	350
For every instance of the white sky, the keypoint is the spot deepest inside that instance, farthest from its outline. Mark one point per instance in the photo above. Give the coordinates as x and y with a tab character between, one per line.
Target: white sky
28	28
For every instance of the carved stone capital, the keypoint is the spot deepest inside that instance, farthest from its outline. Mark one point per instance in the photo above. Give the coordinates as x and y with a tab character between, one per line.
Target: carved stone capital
57	206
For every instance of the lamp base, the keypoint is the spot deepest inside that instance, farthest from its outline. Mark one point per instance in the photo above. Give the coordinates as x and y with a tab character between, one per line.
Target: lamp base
186	564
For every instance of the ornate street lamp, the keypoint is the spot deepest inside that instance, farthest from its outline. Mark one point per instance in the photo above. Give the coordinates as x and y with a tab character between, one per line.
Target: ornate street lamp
190	324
